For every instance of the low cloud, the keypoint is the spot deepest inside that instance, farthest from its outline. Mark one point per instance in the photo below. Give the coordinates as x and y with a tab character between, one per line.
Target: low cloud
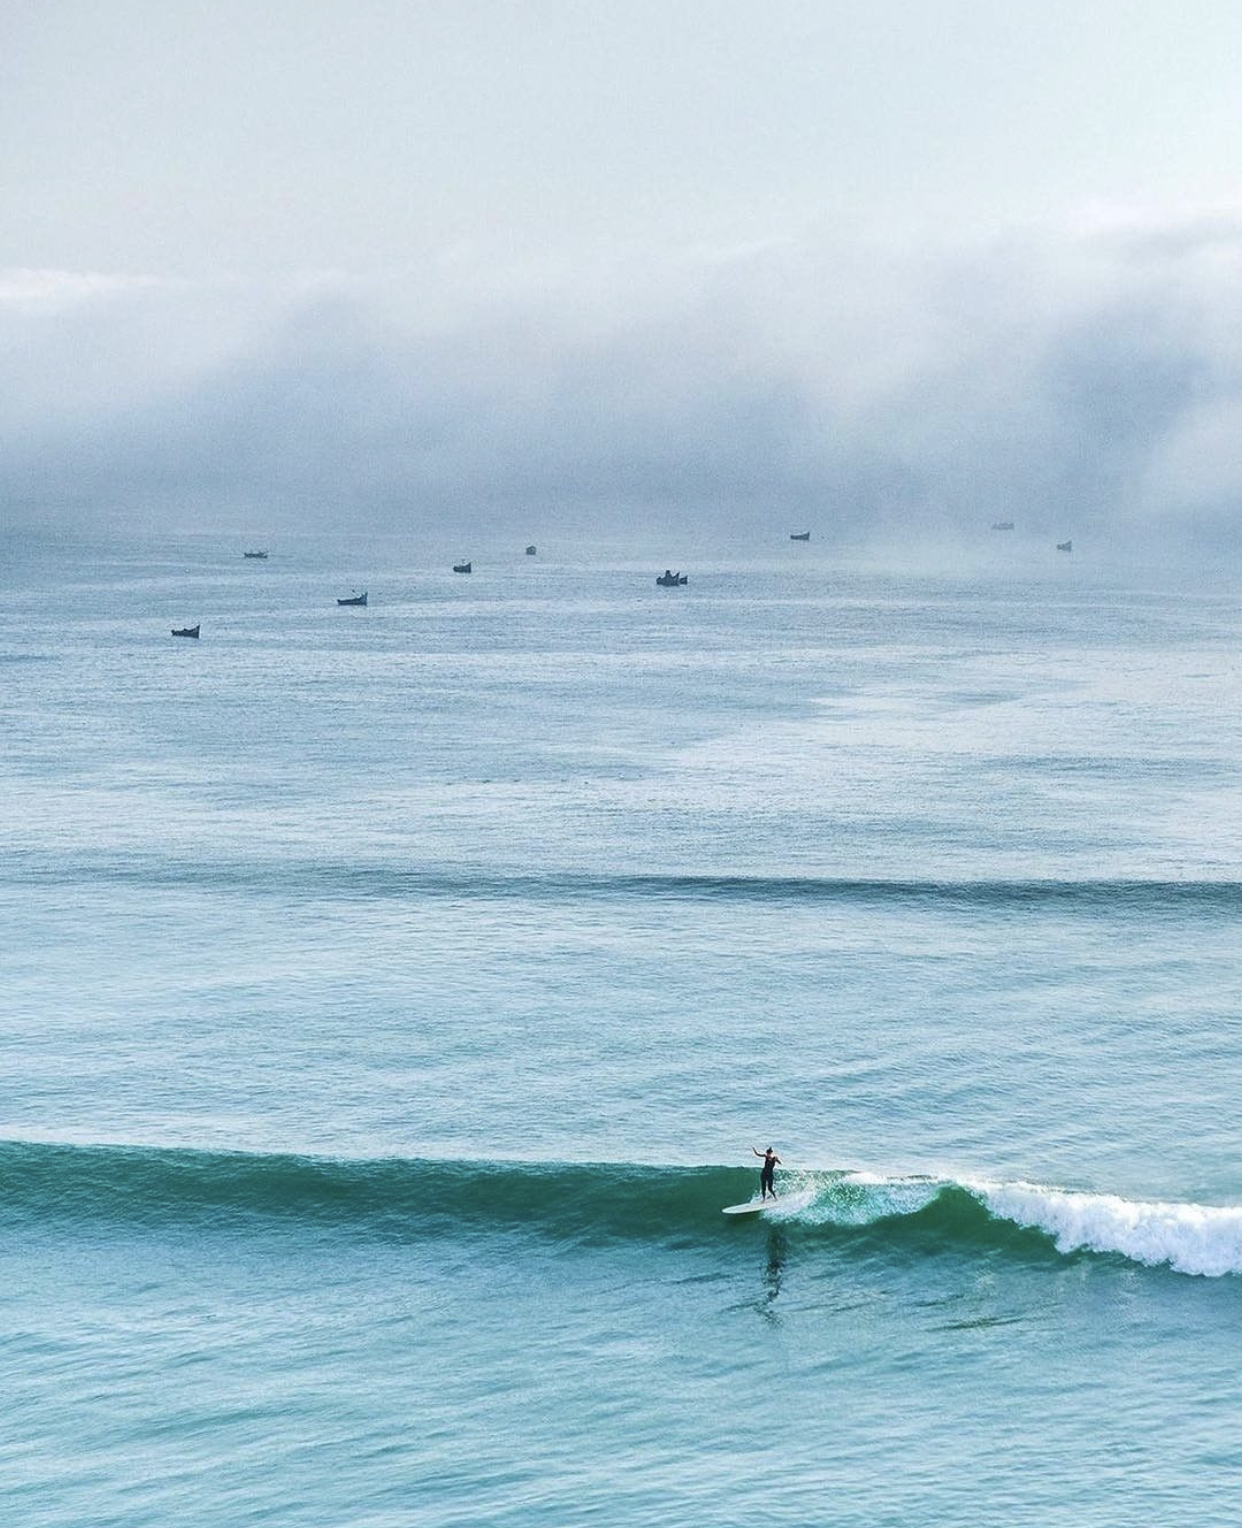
1086	382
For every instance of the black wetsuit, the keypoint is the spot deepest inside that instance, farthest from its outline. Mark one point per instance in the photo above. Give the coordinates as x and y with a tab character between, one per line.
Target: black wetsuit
766	1186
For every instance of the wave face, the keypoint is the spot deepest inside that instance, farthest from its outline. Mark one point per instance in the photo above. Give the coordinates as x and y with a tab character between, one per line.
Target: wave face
400	1199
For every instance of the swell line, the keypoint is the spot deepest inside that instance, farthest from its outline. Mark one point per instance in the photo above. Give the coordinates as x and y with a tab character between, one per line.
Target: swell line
360	880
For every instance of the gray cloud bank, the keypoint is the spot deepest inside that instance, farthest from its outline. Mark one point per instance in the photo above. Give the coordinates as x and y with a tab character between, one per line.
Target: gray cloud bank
1087	382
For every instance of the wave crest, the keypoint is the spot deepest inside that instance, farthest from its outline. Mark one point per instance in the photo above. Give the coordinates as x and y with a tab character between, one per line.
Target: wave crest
1190	1238
588	1204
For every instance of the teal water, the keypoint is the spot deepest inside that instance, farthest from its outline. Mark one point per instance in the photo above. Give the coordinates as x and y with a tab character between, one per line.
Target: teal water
393	997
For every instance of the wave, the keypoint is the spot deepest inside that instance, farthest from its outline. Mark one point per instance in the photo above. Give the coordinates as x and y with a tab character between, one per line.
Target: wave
377	879
1189	1238
92	1188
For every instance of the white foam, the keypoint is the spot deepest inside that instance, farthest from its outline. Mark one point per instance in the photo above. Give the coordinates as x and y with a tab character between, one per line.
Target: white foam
1191	1238
790	1206
859	1198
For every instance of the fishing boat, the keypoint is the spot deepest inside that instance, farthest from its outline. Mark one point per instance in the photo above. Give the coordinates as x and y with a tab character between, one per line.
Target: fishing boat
1002	525
462	567
261	556
669	580
1065	546
354	599
799	535
530	551
185	631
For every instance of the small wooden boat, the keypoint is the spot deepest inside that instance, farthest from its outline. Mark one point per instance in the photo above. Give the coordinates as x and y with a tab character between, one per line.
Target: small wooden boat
799	535
462	567
354	599
670	580
186	631
1065	546
262	556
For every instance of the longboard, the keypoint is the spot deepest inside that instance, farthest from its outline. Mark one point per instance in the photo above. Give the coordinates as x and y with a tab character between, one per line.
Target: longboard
751	1207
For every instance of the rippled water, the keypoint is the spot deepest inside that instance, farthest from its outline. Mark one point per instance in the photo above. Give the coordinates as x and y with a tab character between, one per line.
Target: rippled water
394	995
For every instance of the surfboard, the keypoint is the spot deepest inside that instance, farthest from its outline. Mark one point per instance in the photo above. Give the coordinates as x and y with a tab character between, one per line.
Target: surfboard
751	1207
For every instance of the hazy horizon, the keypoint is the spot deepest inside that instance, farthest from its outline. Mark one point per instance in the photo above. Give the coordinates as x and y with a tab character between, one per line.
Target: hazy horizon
897	271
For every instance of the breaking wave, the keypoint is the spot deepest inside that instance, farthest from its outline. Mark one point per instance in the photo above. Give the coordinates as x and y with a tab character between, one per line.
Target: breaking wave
100	1187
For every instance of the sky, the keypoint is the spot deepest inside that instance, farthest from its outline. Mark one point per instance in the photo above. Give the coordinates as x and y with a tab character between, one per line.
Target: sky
885	267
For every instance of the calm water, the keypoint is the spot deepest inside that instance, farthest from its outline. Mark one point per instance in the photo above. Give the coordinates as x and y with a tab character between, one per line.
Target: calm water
392	997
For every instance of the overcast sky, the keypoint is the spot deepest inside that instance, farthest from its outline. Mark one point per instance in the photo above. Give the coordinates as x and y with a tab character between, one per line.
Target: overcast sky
883	263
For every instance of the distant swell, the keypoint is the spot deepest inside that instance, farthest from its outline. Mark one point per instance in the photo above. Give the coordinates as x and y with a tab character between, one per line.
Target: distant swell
379	880
93	1188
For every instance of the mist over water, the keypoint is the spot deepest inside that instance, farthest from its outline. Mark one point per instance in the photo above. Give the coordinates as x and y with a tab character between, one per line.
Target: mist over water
1075	375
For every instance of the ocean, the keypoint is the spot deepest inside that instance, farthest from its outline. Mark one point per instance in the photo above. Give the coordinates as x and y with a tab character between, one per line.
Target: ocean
394	997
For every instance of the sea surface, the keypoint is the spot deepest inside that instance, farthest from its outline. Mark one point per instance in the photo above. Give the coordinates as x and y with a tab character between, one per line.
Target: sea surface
392	999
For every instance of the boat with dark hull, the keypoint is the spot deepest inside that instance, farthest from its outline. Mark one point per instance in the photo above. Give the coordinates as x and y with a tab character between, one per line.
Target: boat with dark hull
670	580
186	631
354	599
256	556
462	567
799	535
1065	546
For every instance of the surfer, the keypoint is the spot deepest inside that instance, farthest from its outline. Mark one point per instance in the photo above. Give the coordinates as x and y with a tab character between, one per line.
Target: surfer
770	1163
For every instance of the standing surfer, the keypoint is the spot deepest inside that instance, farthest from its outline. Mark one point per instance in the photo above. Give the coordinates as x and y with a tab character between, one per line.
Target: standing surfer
770	1163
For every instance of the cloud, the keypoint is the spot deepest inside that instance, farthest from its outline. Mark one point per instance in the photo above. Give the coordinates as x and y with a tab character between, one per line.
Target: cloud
1085	381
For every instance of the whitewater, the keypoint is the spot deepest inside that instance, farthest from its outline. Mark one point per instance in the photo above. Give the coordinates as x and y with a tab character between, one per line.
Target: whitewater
393	997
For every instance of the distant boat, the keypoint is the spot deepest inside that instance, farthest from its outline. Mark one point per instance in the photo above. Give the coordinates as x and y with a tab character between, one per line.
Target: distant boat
1065	546
530	551
186	631
669	580
354	599
462	567
799	535
262	556
1002	525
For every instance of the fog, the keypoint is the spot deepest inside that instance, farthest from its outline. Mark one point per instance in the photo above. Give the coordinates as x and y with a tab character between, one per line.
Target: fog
895	271
1088	383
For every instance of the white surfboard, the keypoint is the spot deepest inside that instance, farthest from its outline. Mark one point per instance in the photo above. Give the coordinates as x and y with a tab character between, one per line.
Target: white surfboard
791	1203
751	1207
